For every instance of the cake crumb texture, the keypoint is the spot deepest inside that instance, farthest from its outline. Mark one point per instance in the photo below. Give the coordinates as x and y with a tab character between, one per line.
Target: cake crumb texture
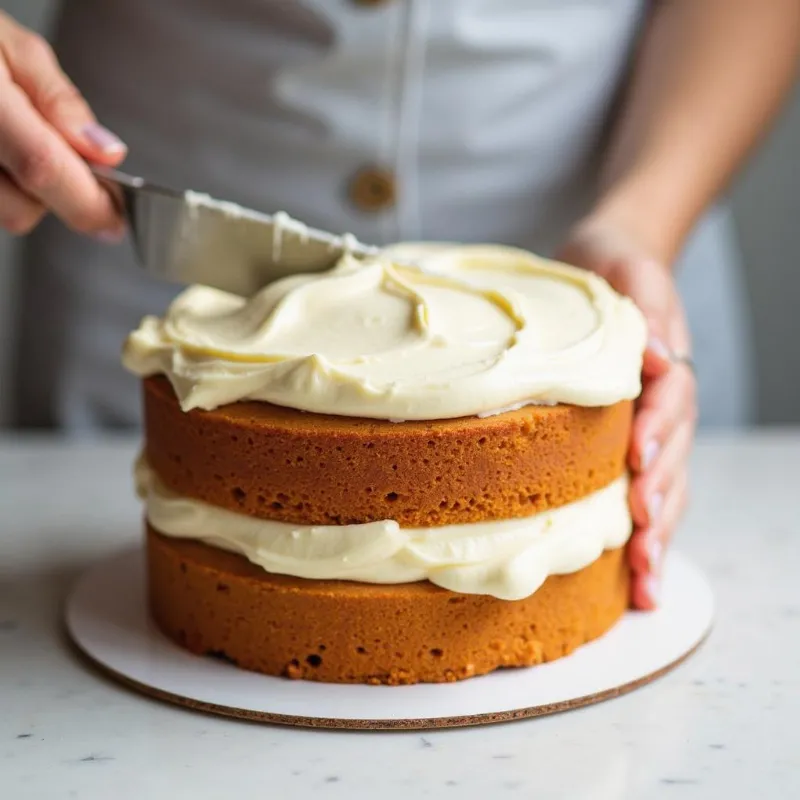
311	469
216	603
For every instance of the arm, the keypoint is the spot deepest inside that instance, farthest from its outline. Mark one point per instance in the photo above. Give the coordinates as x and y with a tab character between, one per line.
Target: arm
708	79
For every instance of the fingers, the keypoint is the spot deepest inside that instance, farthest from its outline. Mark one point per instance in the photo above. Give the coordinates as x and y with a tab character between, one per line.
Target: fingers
644	592
33	66
657	355
661	442
19	213
665	402
45	167
658	495
649	489
46	131
649	543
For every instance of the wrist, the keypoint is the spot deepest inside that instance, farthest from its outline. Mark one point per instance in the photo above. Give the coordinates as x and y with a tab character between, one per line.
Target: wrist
650	211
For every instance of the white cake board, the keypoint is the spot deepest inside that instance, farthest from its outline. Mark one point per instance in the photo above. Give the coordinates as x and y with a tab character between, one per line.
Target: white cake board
107	618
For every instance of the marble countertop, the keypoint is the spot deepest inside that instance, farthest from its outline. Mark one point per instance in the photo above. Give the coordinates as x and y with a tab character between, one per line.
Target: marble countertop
721	725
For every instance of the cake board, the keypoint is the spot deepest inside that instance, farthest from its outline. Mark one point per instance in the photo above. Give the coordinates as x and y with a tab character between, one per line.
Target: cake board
106	616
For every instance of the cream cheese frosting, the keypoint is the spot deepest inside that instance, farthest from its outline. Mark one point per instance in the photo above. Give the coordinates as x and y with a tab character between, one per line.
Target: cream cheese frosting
507	559
466	330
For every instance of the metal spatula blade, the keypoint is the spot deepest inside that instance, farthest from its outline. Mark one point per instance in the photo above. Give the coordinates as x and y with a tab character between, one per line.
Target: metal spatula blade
185	237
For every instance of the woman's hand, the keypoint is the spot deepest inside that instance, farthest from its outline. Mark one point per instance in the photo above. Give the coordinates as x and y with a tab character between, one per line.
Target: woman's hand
666	412
46	131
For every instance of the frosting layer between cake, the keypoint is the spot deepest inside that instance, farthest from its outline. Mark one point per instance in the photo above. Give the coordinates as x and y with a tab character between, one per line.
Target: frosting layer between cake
507	559
468	330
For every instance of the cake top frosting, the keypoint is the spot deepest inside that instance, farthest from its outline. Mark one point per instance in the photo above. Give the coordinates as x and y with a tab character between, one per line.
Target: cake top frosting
467	330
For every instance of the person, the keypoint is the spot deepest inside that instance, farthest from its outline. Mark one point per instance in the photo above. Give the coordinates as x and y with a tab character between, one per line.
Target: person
601	132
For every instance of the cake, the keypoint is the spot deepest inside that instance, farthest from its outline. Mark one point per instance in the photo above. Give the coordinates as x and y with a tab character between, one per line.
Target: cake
388	473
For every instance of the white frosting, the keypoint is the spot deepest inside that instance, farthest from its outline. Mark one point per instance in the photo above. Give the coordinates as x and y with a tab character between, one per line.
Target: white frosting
508	559
467	331
282	224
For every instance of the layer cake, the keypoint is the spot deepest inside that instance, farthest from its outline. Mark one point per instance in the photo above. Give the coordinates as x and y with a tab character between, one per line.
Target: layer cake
390	474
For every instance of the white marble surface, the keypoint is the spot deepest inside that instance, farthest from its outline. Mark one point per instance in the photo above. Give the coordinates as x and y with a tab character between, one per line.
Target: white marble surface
722	725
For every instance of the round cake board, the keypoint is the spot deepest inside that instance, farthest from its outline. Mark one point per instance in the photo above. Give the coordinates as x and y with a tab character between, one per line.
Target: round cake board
107	617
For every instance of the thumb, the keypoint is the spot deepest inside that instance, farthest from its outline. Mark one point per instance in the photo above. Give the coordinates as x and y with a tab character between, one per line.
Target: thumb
633	274
647	283
35	68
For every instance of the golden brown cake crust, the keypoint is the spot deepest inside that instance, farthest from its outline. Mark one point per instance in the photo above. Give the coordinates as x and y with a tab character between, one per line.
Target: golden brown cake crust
215	602
282	464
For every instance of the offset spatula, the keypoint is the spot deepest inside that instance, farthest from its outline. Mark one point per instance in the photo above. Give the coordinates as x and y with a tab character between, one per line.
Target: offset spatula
187	237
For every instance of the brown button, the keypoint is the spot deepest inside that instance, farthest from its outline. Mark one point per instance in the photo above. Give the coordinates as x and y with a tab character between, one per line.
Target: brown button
370	2
373	189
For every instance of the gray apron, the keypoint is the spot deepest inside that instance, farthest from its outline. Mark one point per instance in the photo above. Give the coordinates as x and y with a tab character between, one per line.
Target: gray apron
461	120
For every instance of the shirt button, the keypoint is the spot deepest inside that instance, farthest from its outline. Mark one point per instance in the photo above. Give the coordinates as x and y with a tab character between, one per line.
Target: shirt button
373	189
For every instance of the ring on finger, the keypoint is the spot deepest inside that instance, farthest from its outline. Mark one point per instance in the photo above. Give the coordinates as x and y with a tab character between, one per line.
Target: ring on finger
685	359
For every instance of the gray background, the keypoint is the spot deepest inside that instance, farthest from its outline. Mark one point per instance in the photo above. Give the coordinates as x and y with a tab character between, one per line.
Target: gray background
766	200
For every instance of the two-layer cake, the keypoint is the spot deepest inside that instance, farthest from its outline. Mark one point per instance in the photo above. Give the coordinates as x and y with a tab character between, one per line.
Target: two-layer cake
388	474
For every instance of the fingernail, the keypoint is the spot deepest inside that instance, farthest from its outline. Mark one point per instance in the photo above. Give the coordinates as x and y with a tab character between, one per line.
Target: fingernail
654	552
649	453
652	585
655	345
654	507
111	236
103	139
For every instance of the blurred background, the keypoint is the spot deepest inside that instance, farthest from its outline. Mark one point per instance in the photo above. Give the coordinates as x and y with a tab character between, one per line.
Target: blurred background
766	202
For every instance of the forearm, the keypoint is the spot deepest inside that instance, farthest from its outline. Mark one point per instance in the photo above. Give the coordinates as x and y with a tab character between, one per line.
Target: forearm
709	77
